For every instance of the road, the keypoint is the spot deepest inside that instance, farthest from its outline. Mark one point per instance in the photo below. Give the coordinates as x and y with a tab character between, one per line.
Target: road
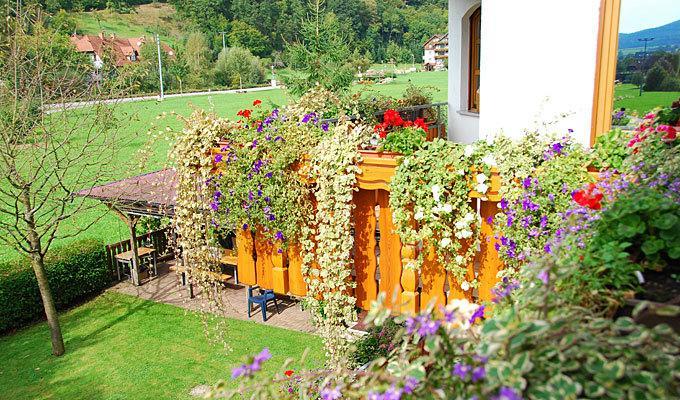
80	104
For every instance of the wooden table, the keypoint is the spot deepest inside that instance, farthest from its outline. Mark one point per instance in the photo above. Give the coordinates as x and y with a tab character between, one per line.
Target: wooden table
127	258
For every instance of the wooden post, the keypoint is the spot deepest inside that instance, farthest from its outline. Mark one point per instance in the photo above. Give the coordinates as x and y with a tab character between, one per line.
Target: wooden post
280	270
132	223
410	297
246	260
490	263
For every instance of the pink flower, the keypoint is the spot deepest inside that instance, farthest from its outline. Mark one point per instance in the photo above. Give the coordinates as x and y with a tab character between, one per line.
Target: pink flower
650	116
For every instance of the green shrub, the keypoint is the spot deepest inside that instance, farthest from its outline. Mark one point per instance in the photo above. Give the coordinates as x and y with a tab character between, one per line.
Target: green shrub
670	84
75	272
378	343
237	66
655	78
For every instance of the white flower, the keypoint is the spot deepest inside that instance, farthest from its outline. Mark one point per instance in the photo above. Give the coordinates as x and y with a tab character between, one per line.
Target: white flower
447	208
481	178
461	172
436	192
464	234
419	215
469	149
459	259
445	242
465	286
489	160
482	188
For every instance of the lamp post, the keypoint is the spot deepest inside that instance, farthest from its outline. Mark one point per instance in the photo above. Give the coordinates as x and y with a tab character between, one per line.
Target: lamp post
644	56
160	65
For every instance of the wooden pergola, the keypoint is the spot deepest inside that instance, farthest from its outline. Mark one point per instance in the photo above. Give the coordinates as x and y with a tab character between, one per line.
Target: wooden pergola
148	195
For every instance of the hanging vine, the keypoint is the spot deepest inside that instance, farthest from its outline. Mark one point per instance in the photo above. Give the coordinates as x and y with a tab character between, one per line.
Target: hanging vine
327	264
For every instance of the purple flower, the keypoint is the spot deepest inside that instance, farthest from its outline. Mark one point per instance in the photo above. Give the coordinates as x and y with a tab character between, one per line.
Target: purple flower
245	227
279	236
544	276
218	158
307	117
254	366
544	221
268	175
557	147
324	126
507	393
489	220
331	394
526	182
254	144
214	205
461	370
504	203
428	327
260	128
275	113
410	384
478	314
547	249
257	166
478	374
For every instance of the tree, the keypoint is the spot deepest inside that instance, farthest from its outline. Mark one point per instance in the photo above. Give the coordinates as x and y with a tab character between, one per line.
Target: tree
48	150
238	67
655	78
243	35
197	59
320	55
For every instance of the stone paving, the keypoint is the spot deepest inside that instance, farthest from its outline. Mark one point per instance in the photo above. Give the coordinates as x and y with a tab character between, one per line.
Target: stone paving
166	288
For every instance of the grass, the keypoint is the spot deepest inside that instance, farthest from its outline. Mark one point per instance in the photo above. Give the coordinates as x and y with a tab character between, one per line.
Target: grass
627	96
122	347
138	117
145	20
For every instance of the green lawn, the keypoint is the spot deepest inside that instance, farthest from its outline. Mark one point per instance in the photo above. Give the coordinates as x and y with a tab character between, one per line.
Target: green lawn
138	117
122	347
627	96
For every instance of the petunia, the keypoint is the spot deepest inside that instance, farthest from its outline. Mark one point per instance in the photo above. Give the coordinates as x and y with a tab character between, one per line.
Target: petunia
478	314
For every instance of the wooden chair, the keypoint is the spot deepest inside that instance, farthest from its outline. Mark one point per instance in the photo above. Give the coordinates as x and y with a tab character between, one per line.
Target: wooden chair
261	299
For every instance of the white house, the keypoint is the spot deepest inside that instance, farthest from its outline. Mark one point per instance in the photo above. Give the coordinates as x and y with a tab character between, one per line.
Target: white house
436	51
531	64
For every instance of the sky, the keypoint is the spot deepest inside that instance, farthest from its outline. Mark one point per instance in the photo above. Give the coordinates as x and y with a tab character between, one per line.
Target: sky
637	15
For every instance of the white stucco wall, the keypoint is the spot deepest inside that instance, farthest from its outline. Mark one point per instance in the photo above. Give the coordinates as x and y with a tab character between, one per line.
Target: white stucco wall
537	67
463	126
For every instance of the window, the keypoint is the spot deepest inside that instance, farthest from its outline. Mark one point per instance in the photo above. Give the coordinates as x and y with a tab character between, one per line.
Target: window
475	48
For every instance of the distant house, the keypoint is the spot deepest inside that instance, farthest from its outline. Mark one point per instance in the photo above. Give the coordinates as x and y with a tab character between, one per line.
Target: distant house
124	50
436	52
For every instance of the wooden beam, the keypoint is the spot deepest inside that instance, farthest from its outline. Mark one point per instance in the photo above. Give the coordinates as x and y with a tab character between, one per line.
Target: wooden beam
605	67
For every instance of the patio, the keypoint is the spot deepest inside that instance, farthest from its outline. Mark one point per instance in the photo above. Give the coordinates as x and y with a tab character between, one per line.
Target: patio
166	288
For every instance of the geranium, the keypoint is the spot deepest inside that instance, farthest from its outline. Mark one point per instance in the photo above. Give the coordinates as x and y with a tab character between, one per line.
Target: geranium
257	103
670	133
590	197
244	113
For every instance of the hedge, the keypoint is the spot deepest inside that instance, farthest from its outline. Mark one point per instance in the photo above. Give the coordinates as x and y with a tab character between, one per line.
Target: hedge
75	272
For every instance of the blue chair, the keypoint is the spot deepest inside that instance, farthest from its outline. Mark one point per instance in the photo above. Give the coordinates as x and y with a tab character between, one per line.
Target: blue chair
261	299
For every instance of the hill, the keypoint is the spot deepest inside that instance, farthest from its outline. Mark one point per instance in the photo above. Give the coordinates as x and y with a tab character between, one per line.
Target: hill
664	36
144	20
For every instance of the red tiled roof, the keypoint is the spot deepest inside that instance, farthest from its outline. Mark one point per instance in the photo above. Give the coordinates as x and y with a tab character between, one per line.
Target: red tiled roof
122	48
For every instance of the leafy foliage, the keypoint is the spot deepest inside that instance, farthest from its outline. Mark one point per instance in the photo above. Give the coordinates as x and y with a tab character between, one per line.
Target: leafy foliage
610	149
74	272
237	67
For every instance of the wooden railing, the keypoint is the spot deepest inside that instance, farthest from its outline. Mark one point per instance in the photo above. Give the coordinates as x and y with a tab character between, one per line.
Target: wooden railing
158	239
379	256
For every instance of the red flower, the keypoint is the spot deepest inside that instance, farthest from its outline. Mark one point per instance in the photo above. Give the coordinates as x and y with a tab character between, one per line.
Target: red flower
670	133
392	118
244	113
588	197
289	373
257	103
381	130
420	123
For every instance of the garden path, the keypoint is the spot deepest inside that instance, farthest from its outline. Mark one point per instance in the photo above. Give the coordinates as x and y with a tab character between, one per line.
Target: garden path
166	289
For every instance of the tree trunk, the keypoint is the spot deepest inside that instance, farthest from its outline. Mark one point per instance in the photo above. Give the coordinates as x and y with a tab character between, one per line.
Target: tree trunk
38	265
